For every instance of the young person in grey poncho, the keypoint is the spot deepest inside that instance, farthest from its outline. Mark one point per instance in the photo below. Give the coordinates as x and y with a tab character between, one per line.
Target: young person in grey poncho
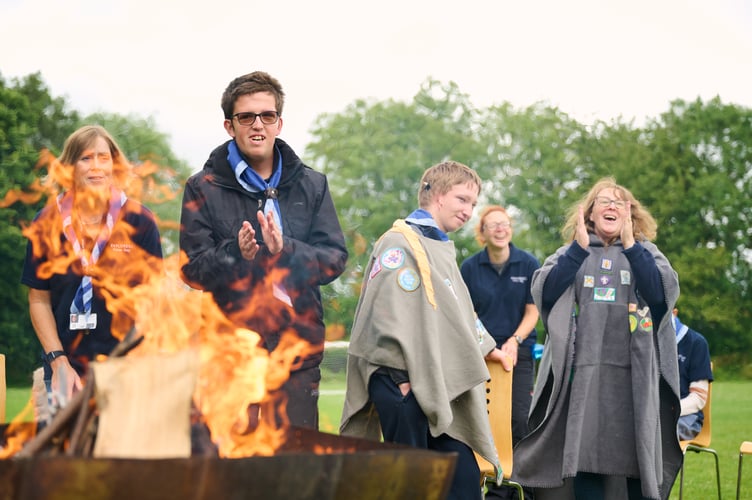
416	367
606	400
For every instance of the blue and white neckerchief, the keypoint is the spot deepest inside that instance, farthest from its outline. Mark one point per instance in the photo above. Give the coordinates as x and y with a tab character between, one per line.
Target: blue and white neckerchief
82	300
681	329
254	183
423	218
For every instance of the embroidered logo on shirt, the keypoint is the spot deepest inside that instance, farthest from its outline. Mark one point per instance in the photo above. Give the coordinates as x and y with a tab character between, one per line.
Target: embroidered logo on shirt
393	258
518	279
607	264
589	281
120	247
604	280
408	279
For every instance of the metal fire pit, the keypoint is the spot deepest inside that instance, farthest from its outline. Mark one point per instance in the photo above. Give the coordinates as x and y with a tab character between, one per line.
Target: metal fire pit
349	469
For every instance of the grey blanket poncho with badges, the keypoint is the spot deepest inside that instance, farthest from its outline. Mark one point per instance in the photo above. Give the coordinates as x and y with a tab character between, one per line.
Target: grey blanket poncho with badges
609	405
415	314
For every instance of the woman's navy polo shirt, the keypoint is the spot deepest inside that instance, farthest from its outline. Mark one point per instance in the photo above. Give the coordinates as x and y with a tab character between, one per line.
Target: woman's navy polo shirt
500	299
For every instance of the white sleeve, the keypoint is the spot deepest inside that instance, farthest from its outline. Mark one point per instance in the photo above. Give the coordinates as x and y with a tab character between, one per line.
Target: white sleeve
696	399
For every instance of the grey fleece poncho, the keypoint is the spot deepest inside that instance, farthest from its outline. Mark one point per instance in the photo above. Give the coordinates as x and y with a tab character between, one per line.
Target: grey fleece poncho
415	314
606	399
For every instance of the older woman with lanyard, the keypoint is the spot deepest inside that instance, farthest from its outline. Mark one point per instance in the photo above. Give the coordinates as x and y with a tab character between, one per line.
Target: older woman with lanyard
78	245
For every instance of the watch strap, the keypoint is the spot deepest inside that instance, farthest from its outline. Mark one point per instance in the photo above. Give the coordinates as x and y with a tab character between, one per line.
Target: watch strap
53	355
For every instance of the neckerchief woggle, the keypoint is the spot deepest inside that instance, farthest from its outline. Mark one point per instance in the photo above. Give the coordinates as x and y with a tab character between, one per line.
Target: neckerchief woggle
82	301
423	218
254	183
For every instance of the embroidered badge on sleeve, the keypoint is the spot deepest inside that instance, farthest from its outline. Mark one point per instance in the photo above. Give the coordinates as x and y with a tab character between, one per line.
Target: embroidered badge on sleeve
393	258
408	279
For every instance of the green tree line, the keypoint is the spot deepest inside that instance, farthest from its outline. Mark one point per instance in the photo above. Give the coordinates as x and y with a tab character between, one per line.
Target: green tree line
691	166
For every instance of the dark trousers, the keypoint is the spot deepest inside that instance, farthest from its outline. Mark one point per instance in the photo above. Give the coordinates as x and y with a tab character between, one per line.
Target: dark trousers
522	397
302	390
299	395
403	421
588	486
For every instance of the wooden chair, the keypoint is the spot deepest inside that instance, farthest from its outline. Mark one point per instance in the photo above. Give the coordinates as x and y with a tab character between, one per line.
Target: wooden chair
744	449
701	443
499	401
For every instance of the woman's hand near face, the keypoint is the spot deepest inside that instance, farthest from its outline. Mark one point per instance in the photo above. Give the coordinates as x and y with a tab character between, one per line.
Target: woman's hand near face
581	233
627	231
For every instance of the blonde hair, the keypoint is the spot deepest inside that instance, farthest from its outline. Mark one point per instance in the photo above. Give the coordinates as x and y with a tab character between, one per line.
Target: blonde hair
643	224
442	177
482	221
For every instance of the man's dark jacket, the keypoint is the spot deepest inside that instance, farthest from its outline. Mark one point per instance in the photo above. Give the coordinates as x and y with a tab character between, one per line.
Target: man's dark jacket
314	253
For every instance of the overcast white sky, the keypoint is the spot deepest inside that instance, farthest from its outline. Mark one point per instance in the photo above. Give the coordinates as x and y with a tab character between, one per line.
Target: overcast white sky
172	59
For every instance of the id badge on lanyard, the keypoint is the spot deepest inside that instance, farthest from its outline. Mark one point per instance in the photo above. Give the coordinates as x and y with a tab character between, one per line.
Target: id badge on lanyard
83	321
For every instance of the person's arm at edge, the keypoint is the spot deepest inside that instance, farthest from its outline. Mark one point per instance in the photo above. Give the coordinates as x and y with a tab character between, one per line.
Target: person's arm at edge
43	321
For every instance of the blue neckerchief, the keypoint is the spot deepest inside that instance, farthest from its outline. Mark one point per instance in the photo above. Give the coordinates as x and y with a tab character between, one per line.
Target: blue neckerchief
82	300
252	182
427	225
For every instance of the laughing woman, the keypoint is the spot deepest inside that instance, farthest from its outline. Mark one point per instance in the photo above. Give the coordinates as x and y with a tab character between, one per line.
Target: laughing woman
88	245
606	401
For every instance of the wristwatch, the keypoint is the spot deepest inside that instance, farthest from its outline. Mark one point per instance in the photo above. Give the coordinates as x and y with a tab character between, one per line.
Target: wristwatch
519	339
53	355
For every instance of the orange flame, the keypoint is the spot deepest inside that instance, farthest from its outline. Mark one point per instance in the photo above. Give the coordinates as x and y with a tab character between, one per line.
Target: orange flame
17	433
238	391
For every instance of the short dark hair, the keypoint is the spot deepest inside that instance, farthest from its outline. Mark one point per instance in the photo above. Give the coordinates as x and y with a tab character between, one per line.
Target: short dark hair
258	81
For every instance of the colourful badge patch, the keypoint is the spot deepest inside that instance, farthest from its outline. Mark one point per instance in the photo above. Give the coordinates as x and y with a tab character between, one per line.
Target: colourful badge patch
626	277
393	258
607	264
601	294
375	269
604	280
632	307
632	323
408	279
589	281
646	324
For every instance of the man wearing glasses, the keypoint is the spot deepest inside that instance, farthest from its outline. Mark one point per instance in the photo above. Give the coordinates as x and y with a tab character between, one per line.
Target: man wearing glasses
260	232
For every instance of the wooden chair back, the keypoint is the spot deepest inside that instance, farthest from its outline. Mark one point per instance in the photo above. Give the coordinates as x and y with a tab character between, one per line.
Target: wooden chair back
499	403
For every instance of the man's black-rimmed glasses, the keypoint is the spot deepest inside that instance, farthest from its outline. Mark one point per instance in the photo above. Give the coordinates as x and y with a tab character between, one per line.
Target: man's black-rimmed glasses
249	117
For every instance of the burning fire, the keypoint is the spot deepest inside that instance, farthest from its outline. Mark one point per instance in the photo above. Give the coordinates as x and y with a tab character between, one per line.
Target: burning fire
237	394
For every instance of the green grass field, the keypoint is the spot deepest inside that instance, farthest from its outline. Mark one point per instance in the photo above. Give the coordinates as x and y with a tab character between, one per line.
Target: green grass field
732	424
